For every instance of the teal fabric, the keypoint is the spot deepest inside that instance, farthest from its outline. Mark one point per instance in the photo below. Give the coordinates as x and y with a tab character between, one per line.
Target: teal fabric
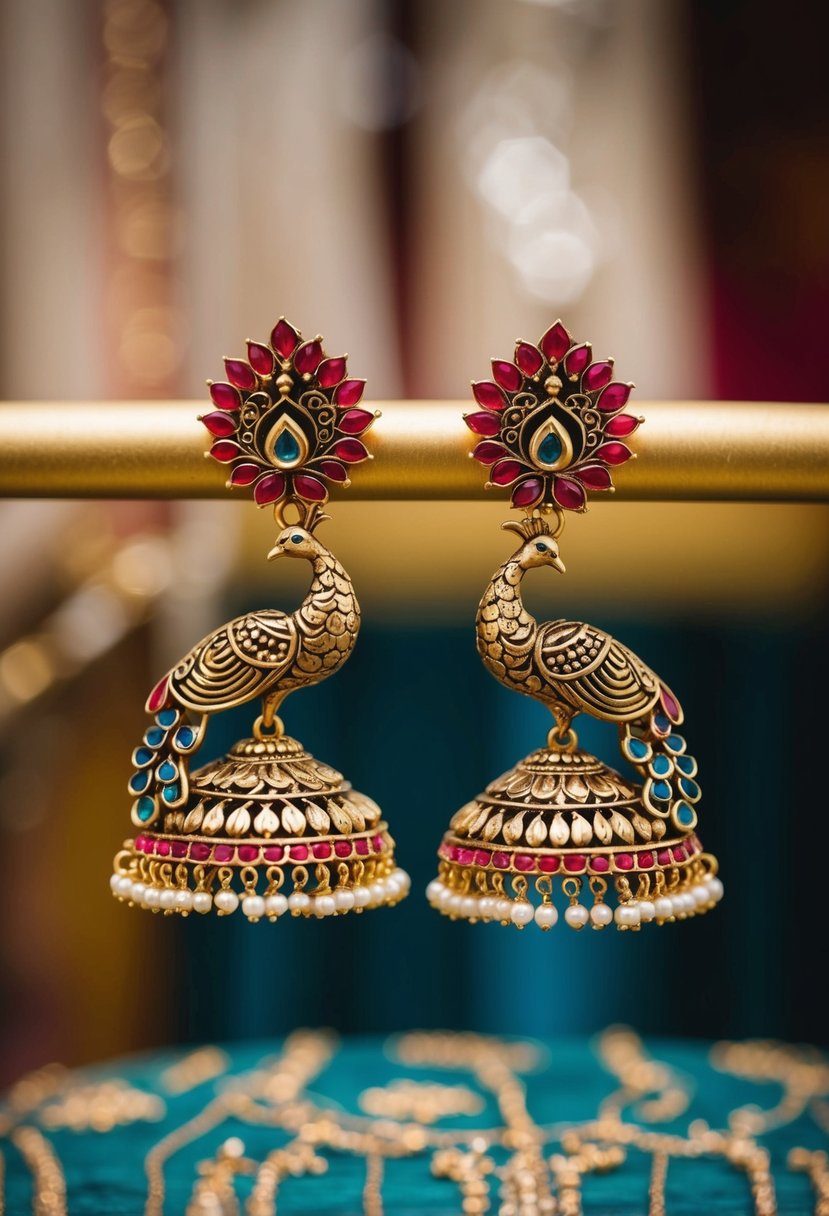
105	1171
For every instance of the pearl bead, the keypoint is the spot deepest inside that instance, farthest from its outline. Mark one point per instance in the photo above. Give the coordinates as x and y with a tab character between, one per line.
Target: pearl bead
361	897
545	916
469	908
378	893
138	892
253	906
299	901
647	911
684	902
324	905
486	907
576	916
184	901
202	901
403	878
663	907
503	909
433	890
343	899
716	888
124	887
167	899
626	916
700	896
151	899
601	915
521	912
454	903
226	901
276	905
113	883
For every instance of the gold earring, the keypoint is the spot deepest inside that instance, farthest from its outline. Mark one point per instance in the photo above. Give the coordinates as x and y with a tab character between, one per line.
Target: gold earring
286	423
551	428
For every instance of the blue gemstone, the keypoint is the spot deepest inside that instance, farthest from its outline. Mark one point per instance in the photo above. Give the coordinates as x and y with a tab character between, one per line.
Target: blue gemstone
661	790
675	743
549	450
167	771
145	808
142	756
154	737
185	737
684	814
170	792
661	766
689	787
286	449
638	749
139	782
686	765
167	717
662	724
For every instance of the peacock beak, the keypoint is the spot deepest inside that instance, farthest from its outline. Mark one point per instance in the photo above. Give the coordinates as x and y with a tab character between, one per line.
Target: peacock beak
276	551
558	564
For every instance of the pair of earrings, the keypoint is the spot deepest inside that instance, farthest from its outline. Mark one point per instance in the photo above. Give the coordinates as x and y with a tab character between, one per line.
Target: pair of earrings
271	829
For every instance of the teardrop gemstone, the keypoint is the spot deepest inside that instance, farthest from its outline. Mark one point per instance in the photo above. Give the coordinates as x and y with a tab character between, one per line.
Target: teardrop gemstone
286	449
549	449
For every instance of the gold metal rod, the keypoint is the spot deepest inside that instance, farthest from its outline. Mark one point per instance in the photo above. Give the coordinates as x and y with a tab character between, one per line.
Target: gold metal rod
689	450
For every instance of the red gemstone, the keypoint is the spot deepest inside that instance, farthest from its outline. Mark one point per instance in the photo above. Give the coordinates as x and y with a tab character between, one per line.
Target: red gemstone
248	852
199	851
527	492
308	358
162	847
482	857
220	423
378	844
523	861
488	452
597	376
614	397
621	425
529	358
349	392
507	375
354	422
158	697
179	848
343	848
361	847
600	864
568	494
645	860
505	472
483	423
240	373
333	470
679	853
452	852
225	396
501	860
224	451
670	704
284	338
298	852
613	453
549	865
139	843
624	861
321	850
555	343
574	861
273	852
310	488
350	450
594	476
488	395
269	488
577	360
465	857
223	852
244	474
664	857
331	371
260	358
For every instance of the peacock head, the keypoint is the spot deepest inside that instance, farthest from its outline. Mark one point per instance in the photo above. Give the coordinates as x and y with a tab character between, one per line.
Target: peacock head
296	542
540	547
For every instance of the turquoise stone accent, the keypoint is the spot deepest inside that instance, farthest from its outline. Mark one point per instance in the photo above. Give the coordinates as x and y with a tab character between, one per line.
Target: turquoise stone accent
145	808
167	771
167	717
684	815
662	723
185	737
675	743
139	782
661	766
689	788
549	450
142	756
686	765
638	749
286	449
661	790
170	792
154	737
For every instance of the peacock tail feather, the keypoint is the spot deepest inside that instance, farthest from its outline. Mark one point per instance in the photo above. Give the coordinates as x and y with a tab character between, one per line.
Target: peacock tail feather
659	753
161	764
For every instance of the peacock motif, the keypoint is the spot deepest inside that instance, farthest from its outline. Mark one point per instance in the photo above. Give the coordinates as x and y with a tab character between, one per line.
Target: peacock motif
552	425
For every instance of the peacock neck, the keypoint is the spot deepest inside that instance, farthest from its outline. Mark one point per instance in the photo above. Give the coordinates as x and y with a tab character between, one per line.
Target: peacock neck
504	593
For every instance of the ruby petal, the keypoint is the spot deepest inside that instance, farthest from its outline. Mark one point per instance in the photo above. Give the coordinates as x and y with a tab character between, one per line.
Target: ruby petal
624	861
309	488
354	422
574	862
308	358
162	847
158	696
555	343
179	848
220	423
523	861
349	392
240	373
505	472
350	450
599	864
670	704
260	358
273	852
342	848
483	423
224	451
269	488
199	851
527	492
594	476
244	474
597	376
248	852
299	852
482	857
225	396
577	360
284	338
331	371
664	857
321	850
614	397
622	425
488	452
645	860
333	470
361	847
549	865
529	358
500	860
613	453
223	852
488	395
568	494
507	375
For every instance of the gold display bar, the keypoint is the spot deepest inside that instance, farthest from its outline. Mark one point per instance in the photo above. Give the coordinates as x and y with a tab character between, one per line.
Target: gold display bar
689	450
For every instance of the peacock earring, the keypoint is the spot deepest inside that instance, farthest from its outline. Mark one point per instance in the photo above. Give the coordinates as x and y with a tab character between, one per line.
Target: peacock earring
552	427
266	826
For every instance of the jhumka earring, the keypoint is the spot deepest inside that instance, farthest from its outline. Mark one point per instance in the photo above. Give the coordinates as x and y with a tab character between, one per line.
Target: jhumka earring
286	423
552	426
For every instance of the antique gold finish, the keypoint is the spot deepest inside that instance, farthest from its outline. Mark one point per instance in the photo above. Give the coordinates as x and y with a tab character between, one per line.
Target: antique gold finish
690	450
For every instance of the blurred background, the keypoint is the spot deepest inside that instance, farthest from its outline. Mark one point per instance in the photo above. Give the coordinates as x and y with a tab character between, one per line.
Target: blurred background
422	183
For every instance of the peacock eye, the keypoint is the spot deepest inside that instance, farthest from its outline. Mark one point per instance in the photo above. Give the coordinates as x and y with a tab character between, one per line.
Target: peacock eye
296	539
541	547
